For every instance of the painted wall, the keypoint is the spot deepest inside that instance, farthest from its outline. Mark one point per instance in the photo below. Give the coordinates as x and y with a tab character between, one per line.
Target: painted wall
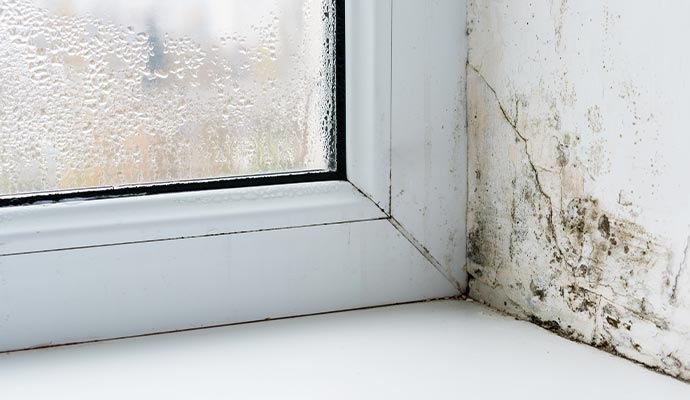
579	197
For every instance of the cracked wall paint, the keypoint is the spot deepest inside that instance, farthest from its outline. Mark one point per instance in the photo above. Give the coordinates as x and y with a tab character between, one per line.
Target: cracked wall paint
578	214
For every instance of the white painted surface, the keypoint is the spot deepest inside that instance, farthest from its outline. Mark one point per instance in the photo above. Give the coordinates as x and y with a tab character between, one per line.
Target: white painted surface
139	265
429	145
107	292
579	110
368	59
188	214
433	350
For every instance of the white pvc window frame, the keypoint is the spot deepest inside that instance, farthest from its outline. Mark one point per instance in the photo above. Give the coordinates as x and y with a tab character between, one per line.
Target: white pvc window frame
91	270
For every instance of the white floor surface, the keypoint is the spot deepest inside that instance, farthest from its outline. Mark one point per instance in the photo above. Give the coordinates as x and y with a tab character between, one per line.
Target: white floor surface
434	350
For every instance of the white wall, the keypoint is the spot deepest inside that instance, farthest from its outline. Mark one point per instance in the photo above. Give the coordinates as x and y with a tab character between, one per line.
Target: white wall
579	206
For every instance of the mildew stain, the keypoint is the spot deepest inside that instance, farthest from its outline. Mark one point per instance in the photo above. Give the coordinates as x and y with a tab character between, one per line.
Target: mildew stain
594	119
554	255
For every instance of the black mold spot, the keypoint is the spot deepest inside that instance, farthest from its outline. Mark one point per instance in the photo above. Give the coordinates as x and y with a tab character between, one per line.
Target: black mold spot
579	300
475	246
613	322
548	324
604	226
537	291
607	346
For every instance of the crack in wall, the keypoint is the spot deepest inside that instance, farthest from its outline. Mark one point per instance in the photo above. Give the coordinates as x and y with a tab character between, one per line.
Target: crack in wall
575	207
513	125
609	304
681	267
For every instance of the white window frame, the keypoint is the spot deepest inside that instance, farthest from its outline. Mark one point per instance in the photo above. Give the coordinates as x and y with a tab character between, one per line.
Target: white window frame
90	270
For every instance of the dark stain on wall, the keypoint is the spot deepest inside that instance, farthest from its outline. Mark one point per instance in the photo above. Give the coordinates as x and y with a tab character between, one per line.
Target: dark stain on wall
566	263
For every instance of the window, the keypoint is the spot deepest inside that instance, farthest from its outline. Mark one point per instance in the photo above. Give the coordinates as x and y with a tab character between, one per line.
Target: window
149	96
391	230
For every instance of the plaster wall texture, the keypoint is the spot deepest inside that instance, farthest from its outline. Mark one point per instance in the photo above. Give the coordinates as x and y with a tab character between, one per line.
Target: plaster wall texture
579	199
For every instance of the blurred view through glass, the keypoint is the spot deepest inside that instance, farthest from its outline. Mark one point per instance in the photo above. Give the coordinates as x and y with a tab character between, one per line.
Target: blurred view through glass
100	93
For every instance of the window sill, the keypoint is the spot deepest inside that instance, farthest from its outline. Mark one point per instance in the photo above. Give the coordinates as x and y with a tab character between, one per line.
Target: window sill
429	350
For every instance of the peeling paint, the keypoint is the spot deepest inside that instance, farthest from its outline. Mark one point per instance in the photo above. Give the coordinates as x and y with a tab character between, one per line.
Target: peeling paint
577	210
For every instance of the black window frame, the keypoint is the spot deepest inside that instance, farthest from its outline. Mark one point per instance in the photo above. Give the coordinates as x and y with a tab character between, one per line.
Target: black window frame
195	185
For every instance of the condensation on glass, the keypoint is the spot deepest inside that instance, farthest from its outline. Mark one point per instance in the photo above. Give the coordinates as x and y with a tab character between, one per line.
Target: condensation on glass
108	93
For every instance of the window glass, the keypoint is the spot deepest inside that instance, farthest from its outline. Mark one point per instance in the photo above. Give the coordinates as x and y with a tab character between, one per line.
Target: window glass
100	93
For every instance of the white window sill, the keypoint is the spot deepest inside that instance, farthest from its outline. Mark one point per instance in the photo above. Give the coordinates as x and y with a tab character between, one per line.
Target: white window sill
433	350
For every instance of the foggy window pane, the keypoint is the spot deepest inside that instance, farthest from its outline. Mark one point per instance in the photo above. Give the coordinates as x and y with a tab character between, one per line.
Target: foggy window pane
105	93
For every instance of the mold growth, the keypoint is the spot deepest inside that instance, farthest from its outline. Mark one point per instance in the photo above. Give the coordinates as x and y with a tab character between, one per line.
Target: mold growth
541	248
